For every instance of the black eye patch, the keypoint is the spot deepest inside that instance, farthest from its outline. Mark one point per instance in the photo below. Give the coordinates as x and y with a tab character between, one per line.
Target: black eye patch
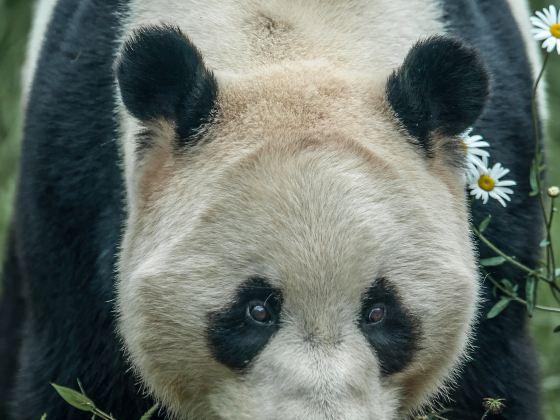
239	332
395	335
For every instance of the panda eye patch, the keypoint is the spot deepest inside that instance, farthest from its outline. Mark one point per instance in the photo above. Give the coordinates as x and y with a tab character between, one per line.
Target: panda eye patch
391	330
239	331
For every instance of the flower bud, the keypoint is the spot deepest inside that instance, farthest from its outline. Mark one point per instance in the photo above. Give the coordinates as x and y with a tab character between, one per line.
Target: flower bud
553	191
494	405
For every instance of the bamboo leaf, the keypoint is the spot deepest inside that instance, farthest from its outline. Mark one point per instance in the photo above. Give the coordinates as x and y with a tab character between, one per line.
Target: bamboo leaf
484	224
498	308
492	262
509	286
148	415
74	398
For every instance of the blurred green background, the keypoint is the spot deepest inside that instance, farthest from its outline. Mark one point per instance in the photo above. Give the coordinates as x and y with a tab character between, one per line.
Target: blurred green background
14	26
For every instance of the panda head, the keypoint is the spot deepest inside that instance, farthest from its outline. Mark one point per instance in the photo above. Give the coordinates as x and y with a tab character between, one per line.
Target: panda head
297	243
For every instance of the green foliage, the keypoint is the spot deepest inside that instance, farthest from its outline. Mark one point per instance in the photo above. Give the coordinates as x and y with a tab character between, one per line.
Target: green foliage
482	227
150	413
498	307
80	401
74	398
14	25
493	261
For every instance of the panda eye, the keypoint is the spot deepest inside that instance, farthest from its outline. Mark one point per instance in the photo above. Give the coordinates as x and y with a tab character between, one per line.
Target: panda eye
259	312
376	314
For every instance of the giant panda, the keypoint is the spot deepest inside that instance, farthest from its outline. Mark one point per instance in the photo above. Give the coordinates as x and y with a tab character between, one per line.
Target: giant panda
248	209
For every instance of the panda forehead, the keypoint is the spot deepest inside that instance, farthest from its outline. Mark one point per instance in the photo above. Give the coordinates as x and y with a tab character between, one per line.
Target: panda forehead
306	91
308	205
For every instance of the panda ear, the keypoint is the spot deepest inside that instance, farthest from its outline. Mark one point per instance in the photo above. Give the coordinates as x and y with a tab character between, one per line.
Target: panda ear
440	89
161	75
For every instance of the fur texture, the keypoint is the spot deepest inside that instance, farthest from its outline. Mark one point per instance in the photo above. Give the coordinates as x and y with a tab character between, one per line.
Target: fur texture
304	176
440	89
161	75
320	212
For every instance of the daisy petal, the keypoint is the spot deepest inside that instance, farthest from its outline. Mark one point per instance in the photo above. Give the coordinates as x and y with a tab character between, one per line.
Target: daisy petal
504	192
549	17
539	24
553	15
480	144
543	17
541	35
497	197
508	183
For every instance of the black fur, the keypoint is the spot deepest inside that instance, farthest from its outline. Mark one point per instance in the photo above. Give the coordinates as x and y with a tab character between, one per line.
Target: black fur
11	321
67	225
162	75
235	340
441	88
504	362
395	337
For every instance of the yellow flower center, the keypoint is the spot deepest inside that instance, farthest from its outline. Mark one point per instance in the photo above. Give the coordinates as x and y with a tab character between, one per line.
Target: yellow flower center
464	146
486	183
555	30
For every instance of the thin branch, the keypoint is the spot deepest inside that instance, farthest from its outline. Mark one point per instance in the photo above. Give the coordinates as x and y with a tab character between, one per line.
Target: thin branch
516	298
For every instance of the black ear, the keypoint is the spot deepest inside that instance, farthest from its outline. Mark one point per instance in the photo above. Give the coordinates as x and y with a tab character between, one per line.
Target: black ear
441	88
161	75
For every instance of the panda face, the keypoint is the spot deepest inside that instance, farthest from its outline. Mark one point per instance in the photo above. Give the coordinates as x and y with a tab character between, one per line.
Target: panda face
301	258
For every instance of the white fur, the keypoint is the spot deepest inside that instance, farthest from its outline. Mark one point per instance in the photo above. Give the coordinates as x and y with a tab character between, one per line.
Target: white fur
233	35
302	178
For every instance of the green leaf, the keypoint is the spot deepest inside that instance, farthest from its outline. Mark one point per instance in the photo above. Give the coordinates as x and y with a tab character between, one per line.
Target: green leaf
530	294
492	262
148	415
533	179
74	398
544	243
509	286
484	224
44	416
498	307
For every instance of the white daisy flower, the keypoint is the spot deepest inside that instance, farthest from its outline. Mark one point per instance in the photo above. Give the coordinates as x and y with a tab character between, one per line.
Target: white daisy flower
486	182
546	26
476	157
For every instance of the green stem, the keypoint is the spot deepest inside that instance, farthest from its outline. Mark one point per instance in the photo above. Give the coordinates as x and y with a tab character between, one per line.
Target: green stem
550	245
103	415
538	162
509	259
518	299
